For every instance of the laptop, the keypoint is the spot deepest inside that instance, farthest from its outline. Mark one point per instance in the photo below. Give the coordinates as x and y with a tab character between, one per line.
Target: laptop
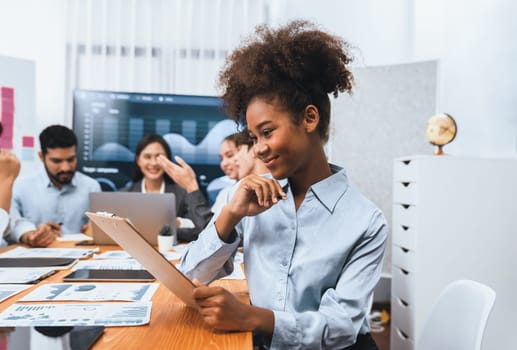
132	241
147	211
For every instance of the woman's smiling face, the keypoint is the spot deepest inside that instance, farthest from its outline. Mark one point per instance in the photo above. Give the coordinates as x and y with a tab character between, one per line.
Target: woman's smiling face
147	161
281	144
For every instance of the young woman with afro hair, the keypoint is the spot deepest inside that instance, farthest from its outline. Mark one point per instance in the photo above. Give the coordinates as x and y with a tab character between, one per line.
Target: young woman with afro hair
313	244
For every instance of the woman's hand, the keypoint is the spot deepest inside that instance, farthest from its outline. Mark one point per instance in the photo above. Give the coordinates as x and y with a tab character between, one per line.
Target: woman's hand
255	195
181	173
222	310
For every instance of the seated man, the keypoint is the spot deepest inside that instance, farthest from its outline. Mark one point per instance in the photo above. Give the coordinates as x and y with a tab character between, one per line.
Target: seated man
9	169
52	201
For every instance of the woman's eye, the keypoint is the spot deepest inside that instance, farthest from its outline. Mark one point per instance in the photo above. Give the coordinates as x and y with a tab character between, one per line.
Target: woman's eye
267	132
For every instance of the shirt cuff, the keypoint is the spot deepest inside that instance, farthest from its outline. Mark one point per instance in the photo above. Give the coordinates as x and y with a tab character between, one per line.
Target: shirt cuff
19	227
285	332
208	257
185	223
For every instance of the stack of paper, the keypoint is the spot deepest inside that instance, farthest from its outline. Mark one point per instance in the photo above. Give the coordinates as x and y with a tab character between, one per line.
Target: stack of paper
20	275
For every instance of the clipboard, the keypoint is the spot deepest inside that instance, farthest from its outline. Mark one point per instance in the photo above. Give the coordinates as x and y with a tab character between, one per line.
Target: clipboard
126	235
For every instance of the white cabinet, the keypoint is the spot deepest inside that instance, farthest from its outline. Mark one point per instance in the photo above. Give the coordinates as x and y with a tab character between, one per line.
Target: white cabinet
453	218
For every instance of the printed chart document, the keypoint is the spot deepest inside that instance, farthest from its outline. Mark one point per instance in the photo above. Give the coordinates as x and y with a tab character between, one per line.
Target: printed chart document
8	290
106	314
75	253
92	292
21	275
74	237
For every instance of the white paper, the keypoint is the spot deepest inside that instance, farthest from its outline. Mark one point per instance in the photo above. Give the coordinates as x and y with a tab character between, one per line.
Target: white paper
21	252
113	254
8	290
92	292
74	237
180	248
107	314
170	255
122	254
23	275
108	264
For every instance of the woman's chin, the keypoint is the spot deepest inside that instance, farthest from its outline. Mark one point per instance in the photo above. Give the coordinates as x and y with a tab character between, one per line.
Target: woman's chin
154	177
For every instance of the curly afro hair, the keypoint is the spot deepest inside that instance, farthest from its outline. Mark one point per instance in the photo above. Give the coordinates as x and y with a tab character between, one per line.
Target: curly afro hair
294	66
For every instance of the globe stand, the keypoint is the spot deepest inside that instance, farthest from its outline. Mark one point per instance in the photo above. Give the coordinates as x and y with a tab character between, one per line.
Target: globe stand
439	151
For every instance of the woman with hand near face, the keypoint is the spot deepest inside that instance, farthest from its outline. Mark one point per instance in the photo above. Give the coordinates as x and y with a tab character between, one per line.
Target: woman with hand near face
313	244
150	177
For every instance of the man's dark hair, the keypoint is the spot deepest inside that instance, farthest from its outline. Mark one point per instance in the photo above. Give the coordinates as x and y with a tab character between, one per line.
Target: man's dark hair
56	136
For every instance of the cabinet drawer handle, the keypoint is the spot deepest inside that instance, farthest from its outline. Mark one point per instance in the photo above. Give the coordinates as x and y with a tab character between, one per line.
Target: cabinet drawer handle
406	162
402	334
405	206
403	302
405	228
405	272
405	184
405	250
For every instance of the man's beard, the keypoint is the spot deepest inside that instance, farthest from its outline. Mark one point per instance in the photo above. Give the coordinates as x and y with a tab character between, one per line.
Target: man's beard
62	177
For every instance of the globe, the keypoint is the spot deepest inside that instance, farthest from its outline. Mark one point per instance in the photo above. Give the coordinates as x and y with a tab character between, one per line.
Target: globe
441	130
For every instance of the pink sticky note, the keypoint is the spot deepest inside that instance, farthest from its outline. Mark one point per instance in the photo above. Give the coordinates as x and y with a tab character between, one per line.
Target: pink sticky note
7	105
7	91
28	141
6	143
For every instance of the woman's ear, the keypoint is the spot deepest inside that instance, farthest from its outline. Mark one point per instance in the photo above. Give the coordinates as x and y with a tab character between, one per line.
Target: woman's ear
311	118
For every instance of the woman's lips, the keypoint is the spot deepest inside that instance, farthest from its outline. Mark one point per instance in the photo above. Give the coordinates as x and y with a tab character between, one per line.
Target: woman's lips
269	162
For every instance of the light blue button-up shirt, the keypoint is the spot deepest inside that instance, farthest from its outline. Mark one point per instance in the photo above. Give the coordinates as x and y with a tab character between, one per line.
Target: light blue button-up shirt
36	200
314	267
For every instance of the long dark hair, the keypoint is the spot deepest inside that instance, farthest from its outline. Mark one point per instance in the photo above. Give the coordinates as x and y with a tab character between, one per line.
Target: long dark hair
143	143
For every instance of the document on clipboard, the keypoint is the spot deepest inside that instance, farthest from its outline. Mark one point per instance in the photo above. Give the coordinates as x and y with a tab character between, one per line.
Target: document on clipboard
125	234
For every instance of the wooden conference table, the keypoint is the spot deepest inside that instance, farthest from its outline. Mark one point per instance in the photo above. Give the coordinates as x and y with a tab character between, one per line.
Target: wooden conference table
172	326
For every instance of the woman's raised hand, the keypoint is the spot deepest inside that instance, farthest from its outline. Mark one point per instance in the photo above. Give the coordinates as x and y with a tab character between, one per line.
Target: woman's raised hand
255	195
181	173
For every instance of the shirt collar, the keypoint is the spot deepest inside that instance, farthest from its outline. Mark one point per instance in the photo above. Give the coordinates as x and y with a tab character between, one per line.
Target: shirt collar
162	186
331	189
328	191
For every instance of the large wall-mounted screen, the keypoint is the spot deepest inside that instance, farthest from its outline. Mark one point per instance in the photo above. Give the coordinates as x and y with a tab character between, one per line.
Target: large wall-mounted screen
109	125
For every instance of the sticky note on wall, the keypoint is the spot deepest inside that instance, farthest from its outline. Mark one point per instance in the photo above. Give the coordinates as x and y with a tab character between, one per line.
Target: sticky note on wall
7	116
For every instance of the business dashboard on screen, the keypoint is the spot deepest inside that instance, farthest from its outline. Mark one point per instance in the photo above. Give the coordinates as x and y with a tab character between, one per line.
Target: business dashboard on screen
110	124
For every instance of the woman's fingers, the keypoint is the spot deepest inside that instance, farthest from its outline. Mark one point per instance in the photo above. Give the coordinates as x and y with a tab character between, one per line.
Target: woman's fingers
267	191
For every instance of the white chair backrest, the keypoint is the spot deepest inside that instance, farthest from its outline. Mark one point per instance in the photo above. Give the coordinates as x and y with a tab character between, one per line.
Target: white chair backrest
458	318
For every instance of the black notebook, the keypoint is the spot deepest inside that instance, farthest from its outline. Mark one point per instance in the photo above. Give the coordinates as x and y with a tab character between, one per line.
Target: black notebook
56	263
